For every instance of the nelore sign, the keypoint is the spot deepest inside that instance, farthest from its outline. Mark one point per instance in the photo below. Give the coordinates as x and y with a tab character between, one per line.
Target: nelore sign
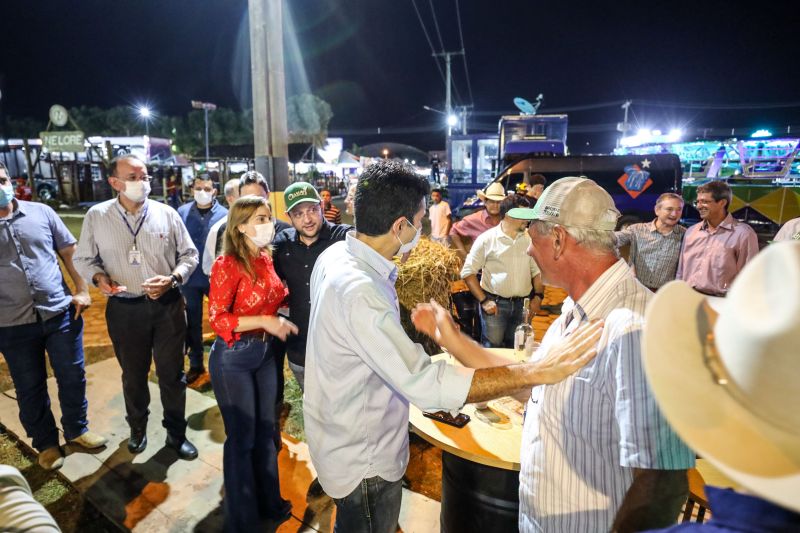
62	141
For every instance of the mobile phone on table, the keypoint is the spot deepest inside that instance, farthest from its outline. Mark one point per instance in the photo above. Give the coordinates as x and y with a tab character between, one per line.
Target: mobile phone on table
443	416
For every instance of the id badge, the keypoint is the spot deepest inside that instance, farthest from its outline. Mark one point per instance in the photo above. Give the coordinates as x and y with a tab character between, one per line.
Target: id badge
134	257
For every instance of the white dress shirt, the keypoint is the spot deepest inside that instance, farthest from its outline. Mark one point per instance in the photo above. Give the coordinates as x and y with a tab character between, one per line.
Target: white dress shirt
362	371
209	251
508	270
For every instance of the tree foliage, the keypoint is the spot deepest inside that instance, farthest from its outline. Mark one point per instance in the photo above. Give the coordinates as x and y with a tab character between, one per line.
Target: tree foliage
307	116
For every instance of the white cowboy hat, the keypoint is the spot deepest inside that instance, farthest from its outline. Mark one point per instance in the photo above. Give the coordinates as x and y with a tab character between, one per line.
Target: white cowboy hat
495	192
726	372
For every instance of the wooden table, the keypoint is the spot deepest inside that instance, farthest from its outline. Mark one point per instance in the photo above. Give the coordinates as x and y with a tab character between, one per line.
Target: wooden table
480	465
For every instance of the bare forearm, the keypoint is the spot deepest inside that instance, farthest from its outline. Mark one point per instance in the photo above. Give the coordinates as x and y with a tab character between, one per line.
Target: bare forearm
490	383
249	323
458	244
471	354
475	287
653	501
66	256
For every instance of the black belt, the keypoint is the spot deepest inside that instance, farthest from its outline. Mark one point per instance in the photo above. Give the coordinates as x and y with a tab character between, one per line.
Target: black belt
497	297
167	298
255	334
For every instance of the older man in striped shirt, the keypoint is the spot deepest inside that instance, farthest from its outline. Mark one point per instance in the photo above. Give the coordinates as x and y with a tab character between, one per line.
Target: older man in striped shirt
655	247
597	454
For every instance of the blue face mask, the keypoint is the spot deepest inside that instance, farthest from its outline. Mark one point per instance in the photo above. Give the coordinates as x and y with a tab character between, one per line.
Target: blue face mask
6	194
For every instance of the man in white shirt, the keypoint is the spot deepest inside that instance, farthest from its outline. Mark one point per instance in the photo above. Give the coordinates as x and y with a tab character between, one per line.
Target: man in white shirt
209	251
509	276
440	216
362	370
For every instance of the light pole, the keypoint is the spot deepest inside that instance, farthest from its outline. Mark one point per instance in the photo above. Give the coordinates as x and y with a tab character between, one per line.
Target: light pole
145	114
206	107
386	153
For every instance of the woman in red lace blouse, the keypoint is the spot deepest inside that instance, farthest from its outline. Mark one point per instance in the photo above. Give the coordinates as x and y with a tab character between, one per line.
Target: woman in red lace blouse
243	301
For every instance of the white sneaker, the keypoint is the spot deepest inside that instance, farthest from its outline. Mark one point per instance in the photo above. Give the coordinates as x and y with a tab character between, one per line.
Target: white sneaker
90	440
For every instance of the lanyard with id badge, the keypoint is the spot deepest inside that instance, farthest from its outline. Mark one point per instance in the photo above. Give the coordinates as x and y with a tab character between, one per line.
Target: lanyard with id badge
134	254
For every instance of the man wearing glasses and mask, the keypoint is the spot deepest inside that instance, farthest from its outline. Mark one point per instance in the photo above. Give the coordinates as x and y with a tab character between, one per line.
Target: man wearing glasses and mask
138	252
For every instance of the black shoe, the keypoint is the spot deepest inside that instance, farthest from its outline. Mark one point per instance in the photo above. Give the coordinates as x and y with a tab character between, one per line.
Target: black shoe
194	373
138	441
185	449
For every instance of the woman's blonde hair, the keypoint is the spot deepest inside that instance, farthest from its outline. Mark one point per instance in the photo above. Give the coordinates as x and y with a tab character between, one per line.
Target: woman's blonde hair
235	241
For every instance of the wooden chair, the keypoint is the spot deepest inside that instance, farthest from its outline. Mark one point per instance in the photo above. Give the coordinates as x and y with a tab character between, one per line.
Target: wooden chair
697	497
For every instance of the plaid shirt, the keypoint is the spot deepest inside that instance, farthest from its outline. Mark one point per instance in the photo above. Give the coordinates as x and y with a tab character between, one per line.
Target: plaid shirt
653	256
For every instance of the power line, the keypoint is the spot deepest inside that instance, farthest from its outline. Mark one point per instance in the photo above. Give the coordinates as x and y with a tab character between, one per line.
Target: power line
428	38
436	25
464	54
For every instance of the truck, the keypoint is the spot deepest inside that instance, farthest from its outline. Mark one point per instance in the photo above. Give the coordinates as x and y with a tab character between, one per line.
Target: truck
474	160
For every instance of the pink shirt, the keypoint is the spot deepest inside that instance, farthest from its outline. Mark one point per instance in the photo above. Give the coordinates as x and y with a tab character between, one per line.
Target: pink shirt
710	260
473	225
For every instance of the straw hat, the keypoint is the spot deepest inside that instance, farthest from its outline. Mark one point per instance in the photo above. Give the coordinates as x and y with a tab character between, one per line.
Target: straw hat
726	372
495	192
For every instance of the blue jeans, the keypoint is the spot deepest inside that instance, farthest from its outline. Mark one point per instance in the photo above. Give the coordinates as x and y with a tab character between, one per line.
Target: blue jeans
24	348
194	323
244	382
497	330
373	507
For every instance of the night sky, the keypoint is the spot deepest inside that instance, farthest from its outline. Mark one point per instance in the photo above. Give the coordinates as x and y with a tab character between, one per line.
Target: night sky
371	61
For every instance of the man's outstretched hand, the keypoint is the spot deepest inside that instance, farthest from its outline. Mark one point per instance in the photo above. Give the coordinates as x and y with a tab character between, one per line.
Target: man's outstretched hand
434	321
569	355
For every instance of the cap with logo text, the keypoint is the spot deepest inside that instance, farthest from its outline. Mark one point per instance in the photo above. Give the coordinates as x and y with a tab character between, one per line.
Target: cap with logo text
299	192
574	202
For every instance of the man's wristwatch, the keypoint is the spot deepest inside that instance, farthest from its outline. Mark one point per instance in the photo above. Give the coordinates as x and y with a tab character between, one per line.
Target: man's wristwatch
539	294
175	281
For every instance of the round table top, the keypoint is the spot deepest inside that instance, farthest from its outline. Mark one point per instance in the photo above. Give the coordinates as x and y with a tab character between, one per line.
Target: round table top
479	441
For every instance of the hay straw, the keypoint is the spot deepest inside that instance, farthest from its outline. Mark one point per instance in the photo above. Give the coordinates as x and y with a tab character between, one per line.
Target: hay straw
427	274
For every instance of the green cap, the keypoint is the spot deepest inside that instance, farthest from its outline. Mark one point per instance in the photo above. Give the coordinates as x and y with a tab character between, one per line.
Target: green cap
299	192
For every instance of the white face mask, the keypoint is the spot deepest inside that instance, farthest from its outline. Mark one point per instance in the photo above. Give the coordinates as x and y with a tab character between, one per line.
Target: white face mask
203	197
408	246
136	191
264	234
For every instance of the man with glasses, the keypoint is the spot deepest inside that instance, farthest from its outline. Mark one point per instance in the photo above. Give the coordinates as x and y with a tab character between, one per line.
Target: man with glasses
655	247
296	251
138	252
199	216
716	248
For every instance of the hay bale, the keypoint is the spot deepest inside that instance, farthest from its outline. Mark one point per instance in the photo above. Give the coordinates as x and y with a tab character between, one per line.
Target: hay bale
426	275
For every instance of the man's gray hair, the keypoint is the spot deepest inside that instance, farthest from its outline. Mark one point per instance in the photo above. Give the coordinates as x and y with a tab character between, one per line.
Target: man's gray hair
669	196
231	187
600	241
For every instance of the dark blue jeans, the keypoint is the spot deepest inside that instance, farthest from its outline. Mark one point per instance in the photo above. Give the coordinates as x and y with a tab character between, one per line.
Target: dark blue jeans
373	507
194	323
24	348
497	330
244	382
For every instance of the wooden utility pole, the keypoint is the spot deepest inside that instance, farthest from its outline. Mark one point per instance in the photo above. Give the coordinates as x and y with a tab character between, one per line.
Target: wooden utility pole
270	130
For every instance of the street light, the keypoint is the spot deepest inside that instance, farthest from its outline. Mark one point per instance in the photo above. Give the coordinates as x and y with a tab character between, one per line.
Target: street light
206	107
145	114
385	153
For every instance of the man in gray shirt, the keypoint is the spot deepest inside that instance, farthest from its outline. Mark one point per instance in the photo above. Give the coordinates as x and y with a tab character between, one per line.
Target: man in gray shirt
656	245
137	252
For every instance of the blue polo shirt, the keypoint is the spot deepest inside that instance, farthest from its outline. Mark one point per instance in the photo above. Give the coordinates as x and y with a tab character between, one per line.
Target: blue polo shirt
198	223
733	512
31	284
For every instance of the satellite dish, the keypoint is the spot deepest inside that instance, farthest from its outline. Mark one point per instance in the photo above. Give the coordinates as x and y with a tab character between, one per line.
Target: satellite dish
524	106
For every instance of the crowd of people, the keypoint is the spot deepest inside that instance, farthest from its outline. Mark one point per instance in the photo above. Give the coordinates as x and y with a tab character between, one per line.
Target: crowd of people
598	451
